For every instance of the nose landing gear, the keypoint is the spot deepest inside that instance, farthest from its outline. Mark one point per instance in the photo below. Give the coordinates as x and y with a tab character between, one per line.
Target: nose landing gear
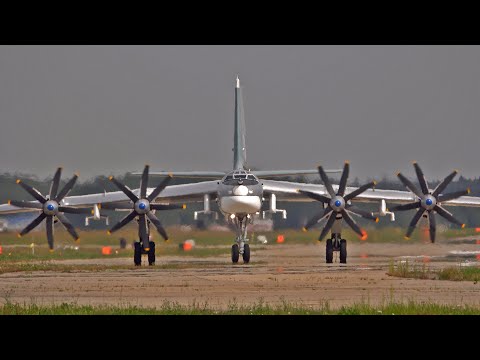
241	247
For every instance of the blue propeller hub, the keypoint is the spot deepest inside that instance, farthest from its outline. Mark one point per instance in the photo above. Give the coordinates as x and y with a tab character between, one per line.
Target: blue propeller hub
50	207
142	206
337	203
428	202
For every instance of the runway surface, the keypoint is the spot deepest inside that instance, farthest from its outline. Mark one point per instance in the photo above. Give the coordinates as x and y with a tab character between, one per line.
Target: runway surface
277	273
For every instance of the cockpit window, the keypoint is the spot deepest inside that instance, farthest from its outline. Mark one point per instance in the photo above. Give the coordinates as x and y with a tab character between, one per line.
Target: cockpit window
240	178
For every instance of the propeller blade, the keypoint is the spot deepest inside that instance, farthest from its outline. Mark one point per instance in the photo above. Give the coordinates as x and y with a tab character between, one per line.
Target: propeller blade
123	222
453	195
144	182
360	190
328	225
421	178
143	231
315	196
410	185
343	179
348	219
440	187
25	204
167	207
445	214
55	183
113	206
414	222
49	226
32	191
72	210
154	220
66	189
362	213
408	206
33	224
124	188
71	230
326	181
317	217
159	188
433	227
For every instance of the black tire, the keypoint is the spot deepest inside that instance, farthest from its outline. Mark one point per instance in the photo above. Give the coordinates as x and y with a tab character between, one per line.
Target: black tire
137	254
329	251
151	254
343	251
235	253
246	253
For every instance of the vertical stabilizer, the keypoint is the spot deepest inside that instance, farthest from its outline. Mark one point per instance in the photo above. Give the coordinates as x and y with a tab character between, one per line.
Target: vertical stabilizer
239	150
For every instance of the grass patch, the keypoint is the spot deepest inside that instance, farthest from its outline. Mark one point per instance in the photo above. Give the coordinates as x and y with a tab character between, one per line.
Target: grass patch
460	274
207	237
173	308
406	270
416	271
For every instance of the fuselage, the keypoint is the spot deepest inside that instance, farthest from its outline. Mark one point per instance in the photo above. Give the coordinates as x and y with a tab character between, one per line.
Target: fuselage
240	193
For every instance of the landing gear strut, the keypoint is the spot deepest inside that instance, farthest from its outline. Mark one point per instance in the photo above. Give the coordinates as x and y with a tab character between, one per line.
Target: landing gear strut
336	243
241	246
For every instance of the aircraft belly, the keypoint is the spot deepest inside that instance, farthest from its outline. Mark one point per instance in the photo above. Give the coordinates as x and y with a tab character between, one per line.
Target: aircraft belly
240	204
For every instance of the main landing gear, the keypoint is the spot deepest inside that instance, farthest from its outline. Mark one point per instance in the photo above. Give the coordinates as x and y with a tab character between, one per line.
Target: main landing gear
139	251
336	243
241	247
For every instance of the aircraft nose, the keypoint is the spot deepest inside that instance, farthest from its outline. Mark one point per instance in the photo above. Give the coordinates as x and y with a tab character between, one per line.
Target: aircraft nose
240	190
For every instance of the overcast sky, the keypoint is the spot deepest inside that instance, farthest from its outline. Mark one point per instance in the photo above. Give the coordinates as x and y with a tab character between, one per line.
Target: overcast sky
111	109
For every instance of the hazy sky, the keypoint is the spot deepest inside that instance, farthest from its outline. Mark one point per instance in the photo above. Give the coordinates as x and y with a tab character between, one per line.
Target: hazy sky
111	109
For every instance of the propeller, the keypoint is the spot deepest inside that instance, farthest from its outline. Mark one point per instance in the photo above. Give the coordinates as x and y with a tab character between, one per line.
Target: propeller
142	207
339	206
50	207
429	201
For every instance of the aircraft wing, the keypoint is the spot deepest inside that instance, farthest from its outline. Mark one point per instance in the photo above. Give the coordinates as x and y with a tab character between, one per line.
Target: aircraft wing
174	193
287	191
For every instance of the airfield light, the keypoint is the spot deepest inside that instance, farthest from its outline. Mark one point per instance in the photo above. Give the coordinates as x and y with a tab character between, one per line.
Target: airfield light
106	250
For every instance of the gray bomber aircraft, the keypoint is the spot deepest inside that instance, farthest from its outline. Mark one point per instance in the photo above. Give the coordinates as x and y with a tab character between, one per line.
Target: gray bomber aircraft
241	194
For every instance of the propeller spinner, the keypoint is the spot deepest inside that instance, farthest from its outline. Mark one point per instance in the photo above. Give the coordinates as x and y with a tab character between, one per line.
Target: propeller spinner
429	201
50	207
338	204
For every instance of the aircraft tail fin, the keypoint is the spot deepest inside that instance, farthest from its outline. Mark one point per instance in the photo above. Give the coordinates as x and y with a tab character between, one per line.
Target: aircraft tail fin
239	149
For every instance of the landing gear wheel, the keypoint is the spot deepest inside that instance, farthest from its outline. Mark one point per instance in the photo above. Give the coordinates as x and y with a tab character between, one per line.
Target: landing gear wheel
343	251
151	254
246	253
235	253
137	254
329	251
